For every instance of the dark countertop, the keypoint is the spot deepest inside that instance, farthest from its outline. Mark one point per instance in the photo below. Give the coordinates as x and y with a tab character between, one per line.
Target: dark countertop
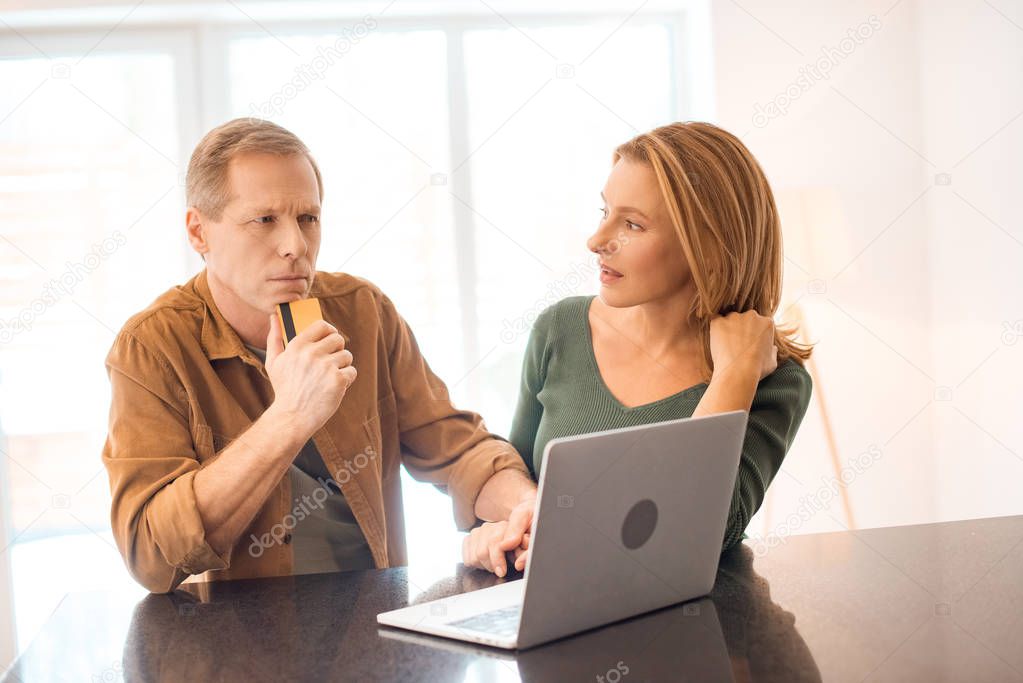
931	602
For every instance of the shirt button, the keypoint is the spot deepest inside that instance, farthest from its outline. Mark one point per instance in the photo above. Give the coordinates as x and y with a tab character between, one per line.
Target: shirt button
287	538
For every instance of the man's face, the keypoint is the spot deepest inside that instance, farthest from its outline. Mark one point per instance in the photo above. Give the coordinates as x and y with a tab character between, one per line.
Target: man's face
263	248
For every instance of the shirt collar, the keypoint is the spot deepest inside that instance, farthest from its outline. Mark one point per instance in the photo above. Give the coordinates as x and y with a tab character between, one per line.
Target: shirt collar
218	338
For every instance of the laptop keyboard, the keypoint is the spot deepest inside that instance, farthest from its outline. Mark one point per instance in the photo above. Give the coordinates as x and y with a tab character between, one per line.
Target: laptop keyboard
502	622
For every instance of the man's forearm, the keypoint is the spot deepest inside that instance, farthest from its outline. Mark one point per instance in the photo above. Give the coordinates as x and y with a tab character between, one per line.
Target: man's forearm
502	492
232	489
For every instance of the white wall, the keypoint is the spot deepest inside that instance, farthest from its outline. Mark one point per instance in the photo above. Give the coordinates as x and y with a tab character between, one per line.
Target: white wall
972	92
8	642
932	279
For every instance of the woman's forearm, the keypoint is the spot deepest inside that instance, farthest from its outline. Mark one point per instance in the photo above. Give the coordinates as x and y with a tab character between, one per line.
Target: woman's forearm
731	388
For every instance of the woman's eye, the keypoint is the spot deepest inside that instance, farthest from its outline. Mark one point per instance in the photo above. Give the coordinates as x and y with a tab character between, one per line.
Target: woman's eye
603	212
633	226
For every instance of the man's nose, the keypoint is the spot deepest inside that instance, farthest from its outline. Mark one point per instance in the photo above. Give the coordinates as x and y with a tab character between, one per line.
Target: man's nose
293	244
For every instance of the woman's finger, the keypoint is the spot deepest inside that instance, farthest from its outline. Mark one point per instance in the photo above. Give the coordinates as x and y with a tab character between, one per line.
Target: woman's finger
521	558
518	524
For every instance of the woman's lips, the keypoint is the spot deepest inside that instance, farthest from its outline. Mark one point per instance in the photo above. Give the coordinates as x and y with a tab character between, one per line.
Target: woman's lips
609	275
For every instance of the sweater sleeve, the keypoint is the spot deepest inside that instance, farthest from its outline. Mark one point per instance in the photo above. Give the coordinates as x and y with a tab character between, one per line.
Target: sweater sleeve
777	411
529	410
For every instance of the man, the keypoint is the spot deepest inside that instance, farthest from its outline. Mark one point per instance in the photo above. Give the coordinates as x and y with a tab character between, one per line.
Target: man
231	455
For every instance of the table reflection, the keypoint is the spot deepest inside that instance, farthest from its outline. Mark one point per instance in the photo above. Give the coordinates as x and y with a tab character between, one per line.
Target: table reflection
294	628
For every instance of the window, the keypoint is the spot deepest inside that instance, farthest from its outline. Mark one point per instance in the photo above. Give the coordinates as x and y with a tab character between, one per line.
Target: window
90	190
462	160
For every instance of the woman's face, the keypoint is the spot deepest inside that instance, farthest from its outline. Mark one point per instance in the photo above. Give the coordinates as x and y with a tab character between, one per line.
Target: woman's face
640	255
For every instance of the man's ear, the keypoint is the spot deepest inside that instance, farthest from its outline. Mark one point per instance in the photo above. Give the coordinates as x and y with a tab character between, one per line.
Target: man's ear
195	226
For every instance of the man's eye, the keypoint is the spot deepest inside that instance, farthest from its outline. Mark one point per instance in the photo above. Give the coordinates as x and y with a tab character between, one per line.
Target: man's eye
308	218
264	220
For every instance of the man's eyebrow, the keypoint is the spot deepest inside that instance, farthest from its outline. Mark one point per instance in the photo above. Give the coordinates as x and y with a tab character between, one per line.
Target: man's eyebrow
627	209
261	210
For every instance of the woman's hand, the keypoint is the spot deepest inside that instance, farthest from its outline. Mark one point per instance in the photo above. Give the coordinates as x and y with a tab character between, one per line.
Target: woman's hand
743	342
484	547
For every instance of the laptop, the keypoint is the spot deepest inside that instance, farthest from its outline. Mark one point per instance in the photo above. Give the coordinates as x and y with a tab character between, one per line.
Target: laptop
627	521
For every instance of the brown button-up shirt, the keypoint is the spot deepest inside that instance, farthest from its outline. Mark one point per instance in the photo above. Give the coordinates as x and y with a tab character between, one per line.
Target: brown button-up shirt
184	386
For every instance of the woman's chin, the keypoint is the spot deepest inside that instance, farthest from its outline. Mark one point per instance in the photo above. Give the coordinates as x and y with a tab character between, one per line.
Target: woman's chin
614	298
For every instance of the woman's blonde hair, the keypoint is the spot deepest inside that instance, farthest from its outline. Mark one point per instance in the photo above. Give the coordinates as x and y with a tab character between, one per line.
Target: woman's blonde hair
723	212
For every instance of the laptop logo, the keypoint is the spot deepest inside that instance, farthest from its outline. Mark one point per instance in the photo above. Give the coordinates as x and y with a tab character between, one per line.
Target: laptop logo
639	524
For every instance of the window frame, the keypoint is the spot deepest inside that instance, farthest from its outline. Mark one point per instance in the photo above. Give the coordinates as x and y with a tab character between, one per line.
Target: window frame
199	47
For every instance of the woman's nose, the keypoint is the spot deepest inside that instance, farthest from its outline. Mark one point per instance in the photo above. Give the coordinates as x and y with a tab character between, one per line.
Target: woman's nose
597	242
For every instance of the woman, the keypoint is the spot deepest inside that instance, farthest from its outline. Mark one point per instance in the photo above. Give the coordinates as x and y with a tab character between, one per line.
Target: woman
690	253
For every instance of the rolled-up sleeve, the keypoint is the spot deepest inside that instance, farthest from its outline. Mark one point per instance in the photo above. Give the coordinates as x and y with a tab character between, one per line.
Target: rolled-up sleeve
442	445
151	461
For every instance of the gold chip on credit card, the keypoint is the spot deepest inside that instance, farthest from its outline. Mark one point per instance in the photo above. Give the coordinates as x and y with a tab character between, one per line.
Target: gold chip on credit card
295	316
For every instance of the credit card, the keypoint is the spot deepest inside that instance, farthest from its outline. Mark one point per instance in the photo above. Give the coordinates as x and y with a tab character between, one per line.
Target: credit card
295	316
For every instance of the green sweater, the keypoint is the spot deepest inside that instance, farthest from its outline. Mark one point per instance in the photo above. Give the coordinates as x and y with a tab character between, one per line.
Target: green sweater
563	394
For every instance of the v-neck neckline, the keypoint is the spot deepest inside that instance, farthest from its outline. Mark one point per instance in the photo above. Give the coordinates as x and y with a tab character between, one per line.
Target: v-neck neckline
600	378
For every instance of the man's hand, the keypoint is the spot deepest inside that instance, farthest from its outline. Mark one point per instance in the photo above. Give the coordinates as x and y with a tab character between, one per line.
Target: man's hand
483	549
311	376
486	546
